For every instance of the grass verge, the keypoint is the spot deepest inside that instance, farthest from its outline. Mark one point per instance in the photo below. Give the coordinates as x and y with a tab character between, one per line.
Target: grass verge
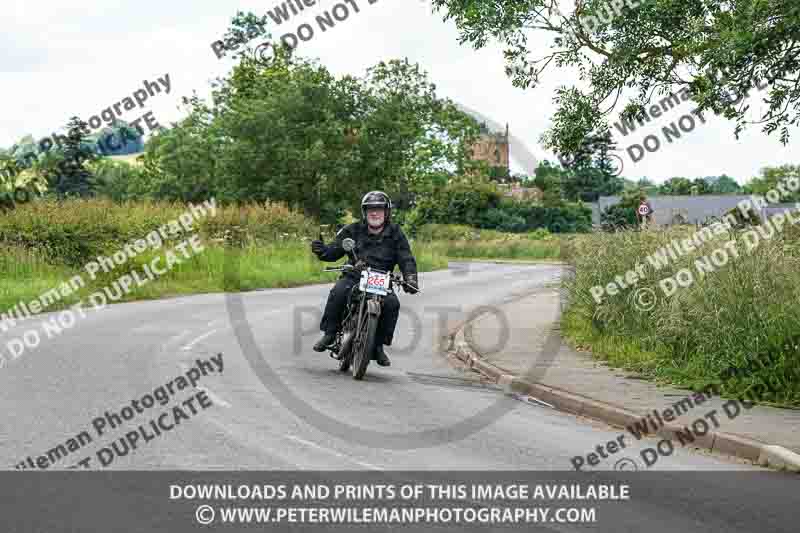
734	327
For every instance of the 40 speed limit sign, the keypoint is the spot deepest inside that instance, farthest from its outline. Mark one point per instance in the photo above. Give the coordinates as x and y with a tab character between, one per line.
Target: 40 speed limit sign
644	210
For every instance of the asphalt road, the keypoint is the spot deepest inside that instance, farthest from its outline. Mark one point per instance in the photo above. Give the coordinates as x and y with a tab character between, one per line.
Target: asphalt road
278	405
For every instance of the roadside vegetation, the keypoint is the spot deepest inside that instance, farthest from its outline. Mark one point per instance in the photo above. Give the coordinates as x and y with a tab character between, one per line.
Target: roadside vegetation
289	146
466	242
735	327
45	243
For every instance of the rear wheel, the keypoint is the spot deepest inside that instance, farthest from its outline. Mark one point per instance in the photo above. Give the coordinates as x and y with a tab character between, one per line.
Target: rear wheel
364	345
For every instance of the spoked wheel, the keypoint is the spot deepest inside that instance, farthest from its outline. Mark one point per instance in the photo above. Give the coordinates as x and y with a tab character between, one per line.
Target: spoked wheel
364	345
344	362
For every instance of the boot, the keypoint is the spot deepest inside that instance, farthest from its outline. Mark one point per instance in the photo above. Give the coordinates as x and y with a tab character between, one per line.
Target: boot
380	356
324	342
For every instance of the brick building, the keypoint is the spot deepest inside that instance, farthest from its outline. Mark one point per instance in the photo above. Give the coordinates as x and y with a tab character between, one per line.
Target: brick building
493	148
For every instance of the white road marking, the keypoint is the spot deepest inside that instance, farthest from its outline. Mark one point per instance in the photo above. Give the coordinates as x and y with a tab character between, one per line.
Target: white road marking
198	339
170	340
214	398
333	452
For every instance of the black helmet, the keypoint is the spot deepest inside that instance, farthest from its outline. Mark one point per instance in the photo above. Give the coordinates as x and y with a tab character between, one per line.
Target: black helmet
376	199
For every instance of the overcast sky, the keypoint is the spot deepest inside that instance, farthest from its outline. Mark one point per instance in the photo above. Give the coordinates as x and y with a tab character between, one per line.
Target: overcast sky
61	60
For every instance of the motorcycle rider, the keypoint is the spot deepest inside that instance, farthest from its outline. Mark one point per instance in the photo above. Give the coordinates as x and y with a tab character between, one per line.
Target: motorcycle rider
382	245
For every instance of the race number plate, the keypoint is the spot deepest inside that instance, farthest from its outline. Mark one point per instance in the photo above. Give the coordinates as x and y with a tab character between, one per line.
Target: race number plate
375	282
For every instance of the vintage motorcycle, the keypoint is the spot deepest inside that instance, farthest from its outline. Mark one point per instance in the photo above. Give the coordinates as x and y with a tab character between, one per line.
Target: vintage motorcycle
355	336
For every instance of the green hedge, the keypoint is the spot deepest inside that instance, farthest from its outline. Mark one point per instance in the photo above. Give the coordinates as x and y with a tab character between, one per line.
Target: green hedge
77	231
518	216
483	206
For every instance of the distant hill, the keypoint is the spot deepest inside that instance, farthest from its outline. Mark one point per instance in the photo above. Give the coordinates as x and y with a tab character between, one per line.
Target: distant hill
127	158
133	144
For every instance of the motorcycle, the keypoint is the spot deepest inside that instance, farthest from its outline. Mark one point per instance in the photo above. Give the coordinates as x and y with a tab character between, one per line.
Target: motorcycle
355	336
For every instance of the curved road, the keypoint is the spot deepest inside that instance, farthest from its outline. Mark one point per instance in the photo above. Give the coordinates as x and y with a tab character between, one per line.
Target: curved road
126	351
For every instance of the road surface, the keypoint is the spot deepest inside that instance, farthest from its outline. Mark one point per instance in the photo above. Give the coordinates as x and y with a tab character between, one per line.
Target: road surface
276	407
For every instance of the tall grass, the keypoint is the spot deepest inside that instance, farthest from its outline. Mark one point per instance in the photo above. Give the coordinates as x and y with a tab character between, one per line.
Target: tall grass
44	244
517	249
464	242
260	246
24	275
736	327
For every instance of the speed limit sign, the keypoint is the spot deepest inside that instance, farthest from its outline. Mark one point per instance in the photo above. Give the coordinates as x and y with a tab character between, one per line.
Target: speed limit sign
644	210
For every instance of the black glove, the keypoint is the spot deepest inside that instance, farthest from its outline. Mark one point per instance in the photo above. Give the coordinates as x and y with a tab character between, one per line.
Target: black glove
411	279
318	247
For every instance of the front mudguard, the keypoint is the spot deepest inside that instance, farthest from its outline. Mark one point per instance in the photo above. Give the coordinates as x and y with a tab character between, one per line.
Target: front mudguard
374	307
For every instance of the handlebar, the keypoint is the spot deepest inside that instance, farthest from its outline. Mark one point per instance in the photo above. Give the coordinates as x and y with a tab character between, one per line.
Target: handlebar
396	278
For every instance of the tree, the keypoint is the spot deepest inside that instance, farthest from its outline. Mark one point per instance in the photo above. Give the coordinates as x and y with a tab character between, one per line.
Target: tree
711	49
622	215
770	178
549	178
677	186
66	173
499	174
286	129
700	186
723	184
592	172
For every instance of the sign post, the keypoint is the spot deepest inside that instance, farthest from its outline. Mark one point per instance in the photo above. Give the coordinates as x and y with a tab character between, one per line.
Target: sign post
643	211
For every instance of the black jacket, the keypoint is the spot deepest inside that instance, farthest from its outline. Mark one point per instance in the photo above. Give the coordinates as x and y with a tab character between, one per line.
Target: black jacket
382	251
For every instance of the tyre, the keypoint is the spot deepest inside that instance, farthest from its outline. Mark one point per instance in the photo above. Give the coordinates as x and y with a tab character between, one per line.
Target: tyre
344	362
347	358
346	352
364	345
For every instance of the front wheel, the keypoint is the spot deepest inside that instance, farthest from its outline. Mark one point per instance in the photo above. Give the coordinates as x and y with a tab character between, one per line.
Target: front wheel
364	345
346	352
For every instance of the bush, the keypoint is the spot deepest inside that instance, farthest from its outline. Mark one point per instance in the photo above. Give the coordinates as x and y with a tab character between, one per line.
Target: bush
503	220
742	220
569	218
482	205
447	232
77	231
618	217
453	204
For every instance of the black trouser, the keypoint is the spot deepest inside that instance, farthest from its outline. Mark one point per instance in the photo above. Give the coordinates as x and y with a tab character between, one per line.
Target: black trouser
335	307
